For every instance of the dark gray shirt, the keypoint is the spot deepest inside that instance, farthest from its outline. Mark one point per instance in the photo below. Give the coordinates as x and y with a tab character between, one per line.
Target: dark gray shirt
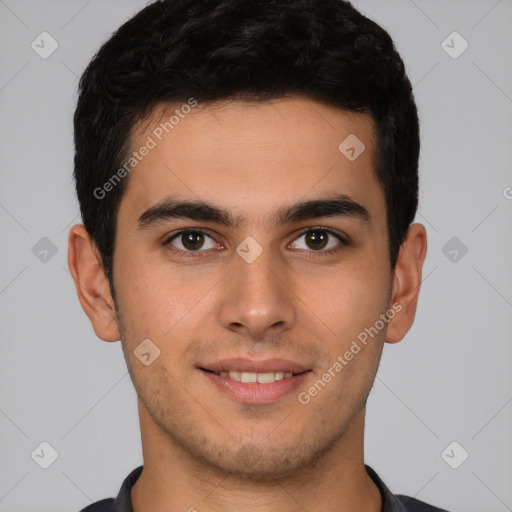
390	502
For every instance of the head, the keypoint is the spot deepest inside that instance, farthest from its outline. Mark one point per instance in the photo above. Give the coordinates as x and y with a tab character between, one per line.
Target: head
229	118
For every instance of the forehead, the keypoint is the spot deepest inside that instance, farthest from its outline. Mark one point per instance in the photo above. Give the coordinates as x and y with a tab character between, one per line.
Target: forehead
249	156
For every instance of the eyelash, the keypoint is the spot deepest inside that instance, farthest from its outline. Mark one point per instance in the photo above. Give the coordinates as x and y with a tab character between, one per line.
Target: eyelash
310	254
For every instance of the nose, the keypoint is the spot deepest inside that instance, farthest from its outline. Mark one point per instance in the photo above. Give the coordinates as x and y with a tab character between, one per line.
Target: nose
257	301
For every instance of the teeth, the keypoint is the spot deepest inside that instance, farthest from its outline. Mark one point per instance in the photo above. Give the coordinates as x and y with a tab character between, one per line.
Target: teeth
249	377
265	378
252	377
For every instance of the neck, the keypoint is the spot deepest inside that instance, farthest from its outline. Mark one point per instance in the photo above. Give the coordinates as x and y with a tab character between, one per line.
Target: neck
173	480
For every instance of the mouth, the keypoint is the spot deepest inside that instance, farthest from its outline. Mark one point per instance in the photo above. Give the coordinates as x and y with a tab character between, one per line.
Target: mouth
255	382
255	377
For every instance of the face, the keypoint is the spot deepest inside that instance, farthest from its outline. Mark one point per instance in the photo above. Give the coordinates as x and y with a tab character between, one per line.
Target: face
281	274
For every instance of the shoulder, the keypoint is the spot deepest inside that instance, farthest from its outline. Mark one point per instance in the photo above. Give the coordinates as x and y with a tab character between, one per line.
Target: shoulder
120	504
399	502
413	505
107	505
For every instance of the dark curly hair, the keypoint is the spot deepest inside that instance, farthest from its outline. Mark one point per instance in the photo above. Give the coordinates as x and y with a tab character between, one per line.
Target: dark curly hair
214	50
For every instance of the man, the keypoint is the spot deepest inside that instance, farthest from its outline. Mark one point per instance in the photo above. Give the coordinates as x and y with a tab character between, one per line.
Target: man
247	174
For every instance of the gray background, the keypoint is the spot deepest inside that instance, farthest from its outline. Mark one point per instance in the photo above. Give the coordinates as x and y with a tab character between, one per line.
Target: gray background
449	380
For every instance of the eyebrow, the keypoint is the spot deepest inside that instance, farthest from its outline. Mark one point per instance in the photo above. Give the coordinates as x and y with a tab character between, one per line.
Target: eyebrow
335	205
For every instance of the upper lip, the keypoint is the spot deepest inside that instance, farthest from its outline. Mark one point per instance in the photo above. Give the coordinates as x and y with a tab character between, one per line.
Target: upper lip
251	365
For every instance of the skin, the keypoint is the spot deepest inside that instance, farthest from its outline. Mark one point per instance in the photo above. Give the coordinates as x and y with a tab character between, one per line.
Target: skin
203	450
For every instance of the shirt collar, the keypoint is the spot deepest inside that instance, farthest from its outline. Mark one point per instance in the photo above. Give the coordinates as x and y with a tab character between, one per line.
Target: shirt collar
390	502
123	501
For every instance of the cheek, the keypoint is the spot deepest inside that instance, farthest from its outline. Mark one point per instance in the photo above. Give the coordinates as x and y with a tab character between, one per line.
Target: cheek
351	299
166	306
147	302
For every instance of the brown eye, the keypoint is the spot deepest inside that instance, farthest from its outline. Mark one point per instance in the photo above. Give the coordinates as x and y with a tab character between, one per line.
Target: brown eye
316	239
191	241
319	239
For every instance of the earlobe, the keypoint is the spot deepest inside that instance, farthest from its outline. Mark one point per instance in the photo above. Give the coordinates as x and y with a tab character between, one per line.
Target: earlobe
407	282
91	284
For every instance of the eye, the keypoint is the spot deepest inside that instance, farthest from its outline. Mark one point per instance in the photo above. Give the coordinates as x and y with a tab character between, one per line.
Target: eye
190	240
320	240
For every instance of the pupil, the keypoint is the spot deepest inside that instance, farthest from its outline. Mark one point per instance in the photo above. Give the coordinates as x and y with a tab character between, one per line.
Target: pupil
318	238
192	241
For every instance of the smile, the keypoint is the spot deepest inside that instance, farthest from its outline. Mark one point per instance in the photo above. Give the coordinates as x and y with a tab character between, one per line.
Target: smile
253	377
257	388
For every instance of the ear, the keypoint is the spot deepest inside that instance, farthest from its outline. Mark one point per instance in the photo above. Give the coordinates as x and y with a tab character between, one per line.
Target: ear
407	282
91	284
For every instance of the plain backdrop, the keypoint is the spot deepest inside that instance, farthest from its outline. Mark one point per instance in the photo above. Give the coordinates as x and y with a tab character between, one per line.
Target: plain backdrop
443	394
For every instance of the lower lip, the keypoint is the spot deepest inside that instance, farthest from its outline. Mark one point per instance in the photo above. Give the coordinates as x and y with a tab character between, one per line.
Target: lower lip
254	393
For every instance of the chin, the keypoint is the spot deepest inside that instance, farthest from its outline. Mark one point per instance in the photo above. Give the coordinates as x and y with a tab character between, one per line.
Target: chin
260	462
